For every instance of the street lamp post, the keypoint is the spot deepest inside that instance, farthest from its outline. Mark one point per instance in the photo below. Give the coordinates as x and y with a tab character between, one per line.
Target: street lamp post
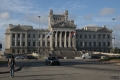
38	34
113	38
113	44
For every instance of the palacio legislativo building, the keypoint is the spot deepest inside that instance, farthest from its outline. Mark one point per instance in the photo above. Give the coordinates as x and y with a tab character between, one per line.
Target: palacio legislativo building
61	35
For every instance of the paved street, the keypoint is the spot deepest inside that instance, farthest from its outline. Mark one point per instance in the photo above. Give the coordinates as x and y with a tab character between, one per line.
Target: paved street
69	70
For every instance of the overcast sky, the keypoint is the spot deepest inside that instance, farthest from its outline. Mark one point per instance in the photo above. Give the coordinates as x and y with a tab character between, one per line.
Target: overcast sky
83	12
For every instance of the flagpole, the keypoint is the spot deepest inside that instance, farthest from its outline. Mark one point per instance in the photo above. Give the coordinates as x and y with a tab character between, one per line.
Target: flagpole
39	34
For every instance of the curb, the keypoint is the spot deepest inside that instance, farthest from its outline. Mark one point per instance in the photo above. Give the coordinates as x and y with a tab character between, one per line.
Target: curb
18	69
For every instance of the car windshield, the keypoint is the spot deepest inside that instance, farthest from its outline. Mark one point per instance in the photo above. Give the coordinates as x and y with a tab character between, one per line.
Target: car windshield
52	58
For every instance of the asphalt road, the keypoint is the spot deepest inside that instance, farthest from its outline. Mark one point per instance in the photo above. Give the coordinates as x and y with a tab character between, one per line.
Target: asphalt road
69	70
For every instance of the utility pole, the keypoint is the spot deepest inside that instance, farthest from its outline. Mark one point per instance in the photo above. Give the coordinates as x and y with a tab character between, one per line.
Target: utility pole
39	36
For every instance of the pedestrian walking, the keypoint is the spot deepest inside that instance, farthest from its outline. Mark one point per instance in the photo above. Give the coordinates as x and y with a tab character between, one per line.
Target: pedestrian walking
11	65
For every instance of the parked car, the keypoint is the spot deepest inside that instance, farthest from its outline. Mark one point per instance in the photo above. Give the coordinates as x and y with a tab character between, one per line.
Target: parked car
60	57
86	56
95	57
20	57
31	57
52	60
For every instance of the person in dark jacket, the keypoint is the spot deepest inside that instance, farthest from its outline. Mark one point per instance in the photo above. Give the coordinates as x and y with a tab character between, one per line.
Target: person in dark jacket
11	65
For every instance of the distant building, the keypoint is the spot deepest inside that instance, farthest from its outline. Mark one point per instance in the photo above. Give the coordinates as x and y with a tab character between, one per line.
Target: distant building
61	35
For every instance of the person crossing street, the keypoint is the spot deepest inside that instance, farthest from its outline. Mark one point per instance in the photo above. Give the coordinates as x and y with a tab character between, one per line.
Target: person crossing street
11	65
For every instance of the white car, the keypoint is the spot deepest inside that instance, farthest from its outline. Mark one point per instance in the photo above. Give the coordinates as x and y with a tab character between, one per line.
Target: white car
19	57
86	56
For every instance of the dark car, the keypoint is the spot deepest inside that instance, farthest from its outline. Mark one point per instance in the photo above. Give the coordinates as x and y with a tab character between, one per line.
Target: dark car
95	57
31	57
52	60
60	57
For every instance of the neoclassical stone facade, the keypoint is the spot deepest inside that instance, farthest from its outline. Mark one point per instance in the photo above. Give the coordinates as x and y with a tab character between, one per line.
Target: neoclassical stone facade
26	39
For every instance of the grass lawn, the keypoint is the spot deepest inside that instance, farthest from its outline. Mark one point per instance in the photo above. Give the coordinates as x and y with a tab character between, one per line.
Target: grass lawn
112	59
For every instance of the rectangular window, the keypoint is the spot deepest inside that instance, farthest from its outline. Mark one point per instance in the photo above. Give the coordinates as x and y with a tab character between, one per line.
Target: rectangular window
103	35
33	43
99	43
108	36
108	43
23	35
103	43
89	43
38	43
28	43
80	36
89	36
33	35
94	44
18	43
23	51
80	43
18	35
43	44
43	35
99	36
13	43
85	44
85	36
94	36
13	35
28	35
76	35
77	43
23	44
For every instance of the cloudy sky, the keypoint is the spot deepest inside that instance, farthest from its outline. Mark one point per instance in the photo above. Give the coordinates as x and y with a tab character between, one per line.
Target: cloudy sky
83	12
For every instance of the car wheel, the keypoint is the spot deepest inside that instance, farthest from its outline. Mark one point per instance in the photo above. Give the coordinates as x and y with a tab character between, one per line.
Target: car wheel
46	64
58	64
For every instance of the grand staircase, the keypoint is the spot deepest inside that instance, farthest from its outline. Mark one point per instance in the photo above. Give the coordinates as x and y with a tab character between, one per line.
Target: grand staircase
64	49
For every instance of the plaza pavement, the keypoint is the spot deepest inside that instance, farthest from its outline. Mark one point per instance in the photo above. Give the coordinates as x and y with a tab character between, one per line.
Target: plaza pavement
5	69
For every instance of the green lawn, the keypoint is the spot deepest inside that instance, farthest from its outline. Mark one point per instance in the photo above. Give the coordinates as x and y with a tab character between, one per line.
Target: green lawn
111	59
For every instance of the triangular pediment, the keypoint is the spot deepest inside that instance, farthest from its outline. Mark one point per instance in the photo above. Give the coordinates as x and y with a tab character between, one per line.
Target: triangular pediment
104	30
62	24
17	28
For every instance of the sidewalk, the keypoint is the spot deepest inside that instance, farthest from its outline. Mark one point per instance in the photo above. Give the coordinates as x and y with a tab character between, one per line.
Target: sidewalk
5	69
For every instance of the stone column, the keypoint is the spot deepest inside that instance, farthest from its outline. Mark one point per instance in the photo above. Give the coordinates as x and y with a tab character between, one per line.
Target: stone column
60	43
65	39
73	41
69	41
21	39
15	39
46	41
51	41
26	42
41	39
10	39
36	37
56	39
